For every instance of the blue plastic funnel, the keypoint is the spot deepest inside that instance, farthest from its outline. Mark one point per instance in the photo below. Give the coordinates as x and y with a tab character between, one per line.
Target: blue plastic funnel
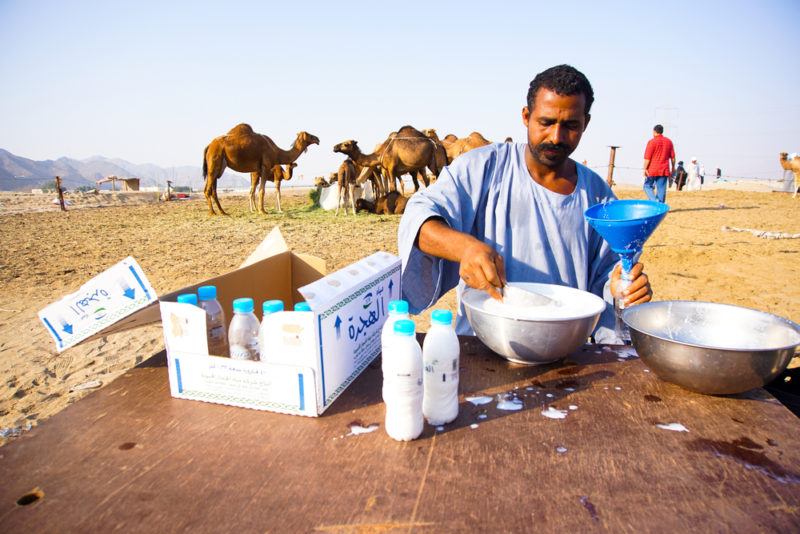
626	225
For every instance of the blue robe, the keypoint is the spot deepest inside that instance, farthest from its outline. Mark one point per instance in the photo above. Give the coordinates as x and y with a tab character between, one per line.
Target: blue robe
541	235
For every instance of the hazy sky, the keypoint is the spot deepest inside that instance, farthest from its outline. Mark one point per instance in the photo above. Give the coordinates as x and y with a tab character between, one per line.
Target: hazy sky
156	81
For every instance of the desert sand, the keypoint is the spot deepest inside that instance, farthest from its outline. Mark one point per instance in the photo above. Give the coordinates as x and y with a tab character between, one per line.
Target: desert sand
45	254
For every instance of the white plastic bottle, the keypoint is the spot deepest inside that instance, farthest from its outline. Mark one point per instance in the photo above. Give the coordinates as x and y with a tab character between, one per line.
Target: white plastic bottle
243	332
265	331
440	354
398	309
402	383
215	320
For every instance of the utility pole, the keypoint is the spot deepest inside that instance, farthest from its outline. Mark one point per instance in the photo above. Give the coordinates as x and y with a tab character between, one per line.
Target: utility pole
60	193
610	178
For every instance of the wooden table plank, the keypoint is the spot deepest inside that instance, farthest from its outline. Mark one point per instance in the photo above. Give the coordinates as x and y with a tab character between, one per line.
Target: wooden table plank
130	457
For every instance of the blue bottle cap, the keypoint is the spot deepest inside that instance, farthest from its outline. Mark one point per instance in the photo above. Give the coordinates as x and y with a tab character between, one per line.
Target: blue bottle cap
398	307
207	292
404	327
188	298
302	306
272	306
243	305
444	317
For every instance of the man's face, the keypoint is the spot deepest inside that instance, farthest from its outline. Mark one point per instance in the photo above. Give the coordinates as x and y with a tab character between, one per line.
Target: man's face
555	126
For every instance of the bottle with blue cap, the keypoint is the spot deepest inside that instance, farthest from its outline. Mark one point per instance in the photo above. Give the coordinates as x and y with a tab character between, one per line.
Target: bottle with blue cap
302	306
215	320
440	359
402	383
188	298
243	331
398	309
268	329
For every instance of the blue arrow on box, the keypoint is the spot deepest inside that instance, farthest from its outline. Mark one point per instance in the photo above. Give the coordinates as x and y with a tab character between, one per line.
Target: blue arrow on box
129	292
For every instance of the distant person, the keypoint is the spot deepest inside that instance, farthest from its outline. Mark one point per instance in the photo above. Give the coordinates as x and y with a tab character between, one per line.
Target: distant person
719	174
659	164
680	176
702	174
693	182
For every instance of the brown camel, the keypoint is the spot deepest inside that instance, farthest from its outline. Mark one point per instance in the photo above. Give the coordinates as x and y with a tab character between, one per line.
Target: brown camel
243	150
392	203
320	181
410	151
440	154
347	185
368	165
455	147
794	166
278	175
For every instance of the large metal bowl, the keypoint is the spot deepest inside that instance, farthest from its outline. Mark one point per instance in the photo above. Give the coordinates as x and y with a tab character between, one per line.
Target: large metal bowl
544	335
711	348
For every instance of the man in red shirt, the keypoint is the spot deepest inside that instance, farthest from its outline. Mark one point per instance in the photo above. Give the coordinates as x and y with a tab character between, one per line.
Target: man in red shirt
659	164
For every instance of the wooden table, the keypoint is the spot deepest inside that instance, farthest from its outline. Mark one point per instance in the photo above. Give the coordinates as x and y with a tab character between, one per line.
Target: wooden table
131	458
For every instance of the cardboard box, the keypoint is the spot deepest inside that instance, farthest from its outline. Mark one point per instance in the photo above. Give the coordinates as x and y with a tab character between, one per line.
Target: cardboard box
315	355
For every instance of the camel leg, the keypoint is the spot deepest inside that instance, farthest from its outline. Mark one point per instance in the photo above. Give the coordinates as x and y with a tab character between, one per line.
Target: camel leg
208	192
252	196
339	199
261	186
278	194
216	199
351	190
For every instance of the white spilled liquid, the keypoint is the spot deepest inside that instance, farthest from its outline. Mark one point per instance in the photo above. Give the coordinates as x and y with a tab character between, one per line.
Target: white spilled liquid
478	401
554	413
508	402
675	427
402	387
440	354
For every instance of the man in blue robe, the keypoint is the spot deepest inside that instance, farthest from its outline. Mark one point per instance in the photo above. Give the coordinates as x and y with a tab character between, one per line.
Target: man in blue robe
514	211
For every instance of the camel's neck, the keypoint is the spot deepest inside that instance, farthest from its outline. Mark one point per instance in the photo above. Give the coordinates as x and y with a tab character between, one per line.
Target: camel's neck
290	156
365	160
786	165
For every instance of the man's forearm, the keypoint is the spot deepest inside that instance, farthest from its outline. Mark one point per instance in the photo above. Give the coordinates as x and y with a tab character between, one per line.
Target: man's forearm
438	239
646	164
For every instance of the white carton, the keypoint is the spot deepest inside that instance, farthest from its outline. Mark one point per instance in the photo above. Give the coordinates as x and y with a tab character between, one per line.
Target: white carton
313	355
103	303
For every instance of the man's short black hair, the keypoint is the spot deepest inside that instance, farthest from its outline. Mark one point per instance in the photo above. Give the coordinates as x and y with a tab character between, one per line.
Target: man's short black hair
564	80
658	129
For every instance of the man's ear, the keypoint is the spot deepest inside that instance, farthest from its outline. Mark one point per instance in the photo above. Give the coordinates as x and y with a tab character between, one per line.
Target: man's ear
526	116
588	118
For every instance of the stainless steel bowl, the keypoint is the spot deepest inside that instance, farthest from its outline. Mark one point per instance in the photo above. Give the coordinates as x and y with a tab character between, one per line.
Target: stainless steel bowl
711	348
545	334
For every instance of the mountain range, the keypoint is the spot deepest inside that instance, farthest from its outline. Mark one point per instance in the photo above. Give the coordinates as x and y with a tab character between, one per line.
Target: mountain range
22	174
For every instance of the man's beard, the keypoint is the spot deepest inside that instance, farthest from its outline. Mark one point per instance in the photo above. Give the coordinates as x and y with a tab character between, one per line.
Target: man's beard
551	159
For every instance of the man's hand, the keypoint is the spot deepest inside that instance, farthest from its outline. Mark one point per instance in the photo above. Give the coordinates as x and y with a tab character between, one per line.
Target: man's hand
482	268
639	290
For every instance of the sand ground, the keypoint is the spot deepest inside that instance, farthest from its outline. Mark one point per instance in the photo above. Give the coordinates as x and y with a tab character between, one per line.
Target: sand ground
45	254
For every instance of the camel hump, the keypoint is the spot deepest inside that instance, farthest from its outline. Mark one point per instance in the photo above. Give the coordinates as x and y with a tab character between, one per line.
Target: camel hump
409	131
241	129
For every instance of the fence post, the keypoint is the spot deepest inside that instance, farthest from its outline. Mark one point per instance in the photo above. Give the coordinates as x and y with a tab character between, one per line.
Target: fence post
60	193
610	178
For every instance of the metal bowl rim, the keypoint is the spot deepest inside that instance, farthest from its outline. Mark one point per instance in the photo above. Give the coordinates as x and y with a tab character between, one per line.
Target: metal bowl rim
472	308
788	322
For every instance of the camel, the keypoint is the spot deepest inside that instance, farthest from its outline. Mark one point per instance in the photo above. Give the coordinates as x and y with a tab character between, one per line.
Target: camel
440	154
392	203
278	175
347	184
243	150
369	164
455	146
794	166
410	151
320	181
